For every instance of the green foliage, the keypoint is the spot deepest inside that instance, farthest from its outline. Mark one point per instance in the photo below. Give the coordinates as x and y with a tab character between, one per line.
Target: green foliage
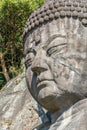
13	15
2	80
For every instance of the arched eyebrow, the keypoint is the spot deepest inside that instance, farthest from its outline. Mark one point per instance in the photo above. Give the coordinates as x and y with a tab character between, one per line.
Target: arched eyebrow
52	38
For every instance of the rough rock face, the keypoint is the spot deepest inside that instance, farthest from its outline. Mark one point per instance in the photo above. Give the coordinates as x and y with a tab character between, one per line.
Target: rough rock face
18	110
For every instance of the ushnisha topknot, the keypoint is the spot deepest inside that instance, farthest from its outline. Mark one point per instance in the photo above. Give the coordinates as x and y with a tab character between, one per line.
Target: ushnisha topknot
54	9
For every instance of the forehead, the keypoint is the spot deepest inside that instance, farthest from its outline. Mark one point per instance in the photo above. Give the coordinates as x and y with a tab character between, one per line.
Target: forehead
68	28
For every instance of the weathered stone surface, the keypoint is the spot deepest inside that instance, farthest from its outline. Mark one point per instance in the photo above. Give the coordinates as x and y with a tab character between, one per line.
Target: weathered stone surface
18	110
72	119
56	67
70	8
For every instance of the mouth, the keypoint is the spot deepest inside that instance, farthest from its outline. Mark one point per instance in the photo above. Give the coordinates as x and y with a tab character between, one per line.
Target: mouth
43	82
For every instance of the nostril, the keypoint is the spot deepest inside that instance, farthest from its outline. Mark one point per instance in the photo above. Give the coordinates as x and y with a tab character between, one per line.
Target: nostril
35	69
38	69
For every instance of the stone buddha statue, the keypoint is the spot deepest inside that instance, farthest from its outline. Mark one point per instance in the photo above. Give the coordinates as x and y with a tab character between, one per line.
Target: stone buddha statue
55	51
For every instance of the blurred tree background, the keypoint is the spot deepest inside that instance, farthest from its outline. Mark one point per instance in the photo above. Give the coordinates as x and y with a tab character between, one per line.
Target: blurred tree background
13	16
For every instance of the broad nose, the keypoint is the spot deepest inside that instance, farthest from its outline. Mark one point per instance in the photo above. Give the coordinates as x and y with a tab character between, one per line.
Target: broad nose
39	63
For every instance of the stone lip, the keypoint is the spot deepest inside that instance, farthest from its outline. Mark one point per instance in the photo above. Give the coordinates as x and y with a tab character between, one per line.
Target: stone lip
18	110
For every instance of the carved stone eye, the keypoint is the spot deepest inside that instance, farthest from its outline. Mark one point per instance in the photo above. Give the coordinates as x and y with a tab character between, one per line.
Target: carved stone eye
29	58
28	61
51	51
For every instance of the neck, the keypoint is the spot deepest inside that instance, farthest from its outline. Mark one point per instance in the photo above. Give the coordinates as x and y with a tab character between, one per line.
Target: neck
69	110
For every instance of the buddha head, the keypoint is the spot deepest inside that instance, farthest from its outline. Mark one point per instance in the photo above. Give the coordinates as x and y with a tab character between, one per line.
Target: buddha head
55	51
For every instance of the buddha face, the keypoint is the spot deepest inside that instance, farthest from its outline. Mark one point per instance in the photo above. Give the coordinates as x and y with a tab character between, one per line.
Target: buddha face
56	66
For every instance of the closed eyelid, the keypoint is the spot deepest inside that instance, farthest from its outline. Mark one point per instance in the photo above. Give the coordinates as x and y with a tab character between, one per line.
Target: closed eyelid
52	38
62	44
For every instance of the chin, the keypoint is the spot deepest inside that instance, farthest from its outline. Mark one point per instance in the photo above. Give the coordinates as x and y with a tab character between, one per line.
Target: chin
46	95
53	102
47	102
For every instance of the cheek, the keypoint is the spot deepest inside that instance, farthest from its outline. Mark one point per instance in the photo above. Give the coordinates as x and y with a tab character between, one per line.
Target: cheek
29	77
31	81
62	73
55	67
